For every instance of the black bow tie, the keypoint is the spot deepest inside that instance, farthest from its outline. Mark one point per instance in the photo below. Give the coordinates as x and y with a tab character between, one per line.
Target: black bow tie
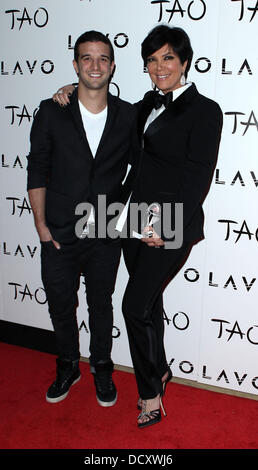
160	100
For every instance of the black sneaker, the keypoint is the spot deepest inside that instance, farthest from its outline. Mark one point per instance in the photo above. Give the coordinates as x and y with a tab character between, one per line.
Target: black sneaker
67	374
105	388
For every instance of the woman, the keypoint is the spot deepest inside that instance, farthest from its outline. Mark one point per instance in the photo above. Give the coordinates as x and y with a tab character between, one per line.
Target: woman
180	131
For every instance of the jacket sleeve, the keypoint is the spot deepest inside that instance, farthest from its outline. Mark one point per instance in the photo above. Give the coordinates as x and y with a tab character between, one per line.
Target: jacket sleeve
39	158
201	158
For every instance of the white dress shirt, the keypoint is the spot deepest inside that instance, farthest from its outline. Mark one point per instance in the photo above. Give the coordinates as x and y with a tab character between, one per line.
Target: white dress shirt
93	125
156	112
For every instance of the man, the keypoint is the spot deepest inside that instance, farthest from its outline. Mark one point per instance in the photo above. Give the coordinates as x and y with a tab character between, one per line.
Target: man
78	153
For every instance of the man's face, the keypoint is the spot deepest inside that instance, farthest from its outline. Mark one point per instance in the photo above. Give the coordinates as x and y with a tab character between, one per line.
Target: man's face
94	66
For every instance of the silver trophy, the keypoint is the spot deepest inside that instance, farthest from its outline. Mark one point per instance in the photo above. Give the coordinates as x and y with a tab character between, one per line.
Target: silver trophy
151	218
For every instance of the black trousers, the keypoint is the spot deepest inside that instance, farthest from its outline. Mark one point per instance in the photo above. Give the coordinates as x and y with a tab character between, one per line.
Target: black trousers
150	270
61	271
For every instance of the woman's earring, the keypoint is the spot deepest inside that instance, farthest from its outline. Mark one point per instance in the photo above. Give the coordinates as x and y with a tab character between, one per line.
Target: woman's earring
182	79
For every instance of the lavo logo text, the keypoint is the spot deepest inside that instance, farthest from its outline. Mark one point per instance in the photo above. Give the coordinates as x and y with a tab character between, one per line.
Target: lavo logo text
115	331
46	67
15	162
205	65
238	178
230	377
20	250
120	40
192	275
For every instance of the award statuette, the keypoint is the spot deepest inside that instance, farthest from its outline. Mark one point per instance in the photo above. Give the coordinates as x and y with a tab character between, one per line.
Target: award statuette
151	217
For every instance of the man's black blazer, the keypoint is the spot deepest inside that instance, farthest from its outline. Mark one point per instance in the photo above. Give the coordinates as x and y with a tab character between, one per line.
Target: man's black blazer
179	155
60	159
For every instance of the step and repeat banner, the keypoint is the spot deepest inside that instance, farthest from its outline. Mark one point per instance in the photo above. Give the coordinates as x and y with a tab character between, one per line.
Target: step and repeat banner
211	306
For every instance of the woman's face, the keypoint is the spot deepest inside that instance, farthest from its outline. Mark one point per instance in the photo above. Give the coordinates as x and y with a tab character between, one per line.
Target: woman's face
165	69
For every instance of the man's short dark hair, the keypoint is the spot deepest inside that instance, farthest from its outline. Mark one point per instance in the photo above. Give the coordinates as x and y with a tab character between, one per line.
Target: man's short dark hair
175	37
93	36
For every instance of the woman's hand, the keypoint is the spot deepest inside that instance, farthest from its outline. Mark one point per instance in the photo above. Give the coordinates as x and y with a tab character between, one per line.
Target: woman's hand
152	238
62	95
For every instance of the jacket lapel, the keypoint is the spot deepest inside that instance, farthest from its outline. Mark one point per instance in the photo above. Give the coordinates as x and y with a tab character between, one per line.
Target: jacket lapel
176	108
77	120
144	108
111	114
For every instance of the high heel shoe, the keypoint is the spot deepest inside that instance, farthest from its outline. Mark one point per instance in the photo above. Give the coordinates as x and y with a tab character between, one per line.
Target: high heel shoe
164	384
152	417
166	380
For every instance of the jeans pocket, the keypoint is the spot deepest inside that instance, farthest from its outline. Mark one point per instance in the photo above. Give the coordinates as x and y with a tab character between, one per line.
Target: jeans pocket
49	245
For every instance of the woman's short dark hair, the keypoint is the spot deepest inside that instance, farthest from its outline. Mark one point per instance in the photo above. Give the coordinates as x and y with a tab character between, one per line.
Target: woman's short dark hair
175	37
92	36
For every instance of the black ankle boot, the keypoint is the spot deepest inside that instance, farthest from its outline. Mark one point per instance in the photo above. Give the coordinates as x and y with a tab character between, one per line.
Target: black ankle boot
67	374
105	388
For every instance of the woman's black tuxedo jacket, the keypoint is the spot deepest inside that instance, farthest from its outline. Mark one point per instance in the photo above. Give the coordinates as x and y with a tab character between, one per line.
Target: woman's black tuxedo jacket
60	159
179	154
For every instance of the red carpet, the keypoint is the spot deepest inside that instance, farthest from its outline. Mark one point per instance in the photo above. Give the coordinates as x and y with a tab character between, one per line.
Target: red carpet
197	419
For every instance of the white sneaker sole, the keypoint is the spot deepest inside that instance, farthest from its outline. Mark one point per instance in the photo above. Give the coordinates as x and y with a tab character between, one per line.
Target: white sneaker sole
107	403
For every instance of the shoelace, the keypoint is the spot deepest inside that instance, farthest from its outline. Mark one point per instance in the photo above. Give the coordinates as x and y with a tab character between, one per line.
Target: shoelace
104	381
